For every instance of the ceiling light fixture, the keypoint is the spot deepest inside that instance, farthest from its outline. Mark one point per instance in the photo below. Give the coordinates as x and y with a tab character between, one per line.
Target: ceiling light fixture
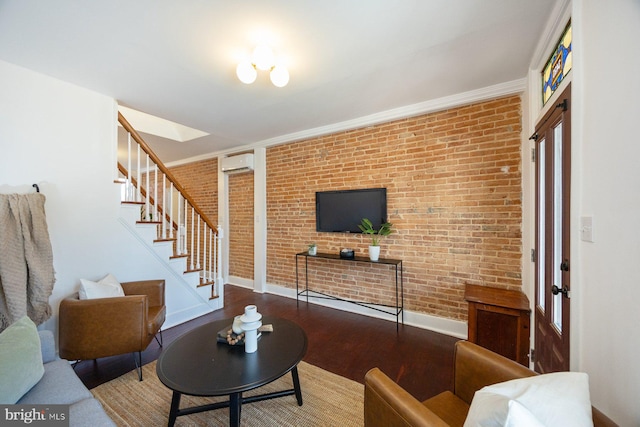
262	59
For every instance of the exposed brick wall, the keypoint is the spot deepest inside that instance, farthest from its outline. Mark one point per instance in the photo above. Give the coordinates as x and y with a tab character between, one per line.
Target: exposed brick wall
453	182
200	180
241	225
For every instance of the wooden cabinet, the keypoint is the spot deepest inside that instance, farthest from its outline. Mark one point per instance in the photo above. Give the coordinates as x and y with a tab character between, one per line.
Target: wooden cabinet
499	320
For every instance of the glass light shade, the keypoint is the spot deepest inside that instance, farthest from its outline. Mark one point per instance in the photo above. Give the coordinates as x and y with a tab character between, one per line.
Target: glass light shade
246	72
263	57
279	76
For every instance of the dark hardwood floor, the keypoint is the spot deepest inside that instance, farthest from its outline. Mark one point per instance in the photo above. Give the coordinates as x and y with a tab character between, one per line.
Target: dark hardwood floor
344	343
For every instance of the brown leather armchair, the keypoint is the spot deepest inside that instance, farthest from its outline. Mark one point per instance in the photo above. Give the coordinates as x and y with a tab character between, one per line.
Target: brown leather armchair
389	405
102	327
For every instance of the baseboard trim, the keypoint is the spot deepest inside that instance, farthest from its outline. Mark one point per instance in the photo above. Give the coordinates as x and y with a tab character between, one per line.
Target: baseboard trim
454	328
240	281
182	316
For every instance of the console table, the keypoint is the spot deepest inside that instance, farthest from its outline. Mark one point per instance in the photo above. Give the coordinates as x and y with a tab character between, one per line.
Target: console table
396	310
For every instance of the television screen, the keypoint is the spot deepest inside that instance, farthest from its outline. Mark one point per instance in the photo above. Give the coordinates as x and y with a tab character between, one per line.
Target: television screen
342	211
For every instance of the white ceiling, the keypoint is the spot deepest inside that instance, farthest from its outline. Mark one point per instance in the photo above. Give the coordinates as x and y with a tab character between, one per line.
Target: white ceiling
347	59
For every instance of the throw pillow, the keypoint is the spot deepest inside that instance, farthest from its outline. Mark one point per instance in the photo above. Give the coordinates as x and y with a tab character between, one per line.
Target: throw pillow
20	360
106	287
556	399
519	416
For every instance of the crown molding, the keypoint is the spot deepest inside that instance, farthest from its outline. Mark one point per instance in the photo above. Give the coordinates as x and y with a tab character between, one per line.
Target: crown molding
431	106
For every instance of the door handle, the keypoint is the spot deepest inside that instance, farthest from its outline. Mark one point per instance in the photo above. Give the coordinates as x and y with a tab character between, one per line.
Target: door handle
556	290
564	265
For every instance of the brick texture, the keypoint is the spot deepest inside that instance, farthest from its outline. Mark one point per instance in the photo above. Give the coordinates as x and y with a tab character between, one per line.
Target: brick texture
241	225
453	182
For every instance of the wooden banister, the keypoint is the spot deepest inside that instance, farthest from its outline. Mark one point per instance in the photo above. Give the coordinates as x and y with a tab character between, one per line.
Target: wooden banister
127	126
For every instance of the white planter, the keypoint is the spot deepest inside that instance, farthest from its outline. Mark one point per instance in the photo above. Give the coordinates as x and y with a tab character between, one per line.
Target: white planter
374	253
313	250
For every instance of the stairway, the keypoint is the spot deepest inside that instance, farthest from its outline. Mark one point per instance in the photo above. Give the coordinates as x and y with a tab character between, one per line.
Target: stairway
178	239
186	296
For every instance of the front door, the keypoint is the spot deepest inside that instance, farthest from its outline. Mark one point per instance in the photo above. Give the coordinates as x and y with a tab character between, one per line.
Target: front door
553	266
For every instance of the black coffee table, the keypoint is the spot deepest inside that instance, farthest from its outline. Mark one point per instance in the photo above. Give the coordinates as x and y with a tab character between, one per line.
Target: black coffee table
196	364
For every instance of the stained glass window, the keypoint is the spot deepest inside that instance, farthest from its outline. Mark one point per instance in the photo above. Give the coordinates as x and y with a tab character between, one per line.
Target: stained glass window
558	65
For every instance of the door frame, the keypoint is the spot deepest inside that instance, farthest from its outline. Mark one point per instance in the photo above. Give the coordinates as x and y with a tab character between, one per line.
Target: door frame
560	112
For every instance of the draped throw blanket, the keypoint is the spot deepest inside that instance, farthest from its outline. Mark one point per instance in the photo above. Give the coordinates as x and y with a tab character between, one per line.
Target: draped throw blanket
26	259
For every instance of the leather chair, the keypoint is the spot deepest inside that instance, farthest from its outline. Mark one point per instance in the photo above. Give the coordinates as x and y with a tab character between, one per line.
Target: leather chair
102	327
389	405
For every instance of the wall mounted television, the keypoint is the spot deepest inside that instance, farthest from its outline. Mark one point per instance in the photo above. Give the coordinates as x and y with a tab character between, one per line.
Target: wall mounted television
342	211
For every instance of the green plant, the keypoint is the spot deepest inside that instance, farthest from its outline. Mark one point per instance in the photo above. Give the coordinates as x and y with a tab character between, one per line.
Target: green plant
366	227
312	245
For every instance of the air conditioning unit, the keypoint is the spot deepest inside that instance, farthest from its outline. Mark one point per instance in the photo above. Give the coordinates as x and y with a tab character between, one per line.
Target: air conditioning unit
237	164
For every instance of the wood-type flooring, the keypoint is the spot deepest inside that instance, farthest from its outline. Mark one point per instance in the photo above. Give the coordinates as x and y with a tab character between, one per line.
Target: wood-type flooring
344	343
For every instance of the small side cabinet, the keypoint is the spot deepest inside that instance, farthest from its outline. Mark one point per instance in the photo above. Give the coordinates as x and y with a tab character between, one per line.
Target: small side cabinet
499	320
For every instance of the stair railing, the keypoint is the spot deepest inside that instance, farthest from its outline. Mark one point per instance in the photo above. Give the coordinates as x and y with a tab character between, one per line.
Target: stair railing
170	206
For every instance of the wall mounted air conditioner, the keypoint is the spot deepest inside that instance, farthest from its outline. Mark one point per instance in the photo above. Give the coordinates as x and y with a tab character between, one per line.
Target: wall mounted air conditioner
237	164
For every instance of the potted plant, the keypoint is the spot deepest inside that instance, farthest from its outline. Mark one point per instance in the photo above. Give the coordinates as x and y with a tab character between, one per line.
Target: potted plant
366	227
312	248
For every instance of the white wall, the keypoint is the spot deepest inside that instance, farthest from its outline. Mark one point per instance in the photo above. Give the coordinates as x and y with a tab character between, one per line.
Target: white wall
60	137
606	94
63	138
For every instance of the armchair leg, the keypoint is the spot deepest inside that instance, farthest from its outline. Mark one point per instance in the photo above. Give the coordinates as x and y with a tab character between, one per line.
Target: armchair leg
138	361
159	341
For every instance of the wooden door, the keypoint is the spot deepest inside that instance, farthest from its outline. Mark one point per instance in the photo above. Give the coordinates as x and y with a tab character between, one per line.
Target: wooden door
553	275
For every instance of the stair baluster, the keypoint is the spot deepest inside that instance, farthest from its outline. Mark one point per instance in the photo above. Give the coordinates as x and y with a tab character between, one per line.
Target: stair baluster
171	217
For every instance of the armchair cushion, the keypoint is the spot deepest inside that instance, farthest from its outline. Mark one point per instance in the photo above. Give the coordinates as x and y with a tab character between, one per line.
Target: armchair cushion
449	407
106	287
20	360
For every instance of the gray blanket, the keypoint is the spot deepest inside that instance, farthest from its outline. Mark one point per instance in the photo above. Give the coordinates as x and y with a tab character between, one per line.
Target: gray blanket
26	259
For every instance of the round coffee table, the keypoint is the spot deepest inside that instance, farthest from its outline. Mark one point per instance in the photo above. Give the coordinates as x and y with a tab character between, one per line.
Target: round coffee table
197	364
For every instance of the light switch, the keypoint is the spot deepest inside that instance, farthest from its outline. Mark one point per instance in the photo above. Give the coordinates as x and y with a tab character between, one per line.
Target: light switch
586	229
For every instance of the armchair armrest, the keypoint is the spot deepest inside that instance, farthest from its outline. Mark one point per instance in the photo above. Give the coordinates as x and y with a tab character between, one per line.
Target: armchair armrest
94	328
476	367
387	404
154	289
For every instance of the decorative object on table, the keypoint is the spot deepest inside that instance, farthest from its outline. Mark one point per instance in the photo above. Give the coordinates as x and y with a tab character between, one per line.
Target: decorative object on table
250	324
236	327
234	335
347	253
227	336
234	339
366	226
313	248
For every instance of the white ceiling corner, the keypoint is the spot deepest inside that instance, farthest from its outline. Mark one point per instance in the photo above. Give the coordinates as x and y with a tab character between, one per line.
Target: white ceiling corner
351	63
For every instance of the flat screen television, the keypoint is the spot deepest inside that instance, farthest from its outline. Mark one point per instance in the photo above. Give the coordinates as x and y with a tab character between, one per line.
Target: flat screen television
342	211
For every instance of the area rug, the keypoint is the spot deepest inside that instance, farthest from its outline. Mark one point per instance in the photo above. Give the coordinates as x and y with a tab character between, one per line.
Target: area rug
328	400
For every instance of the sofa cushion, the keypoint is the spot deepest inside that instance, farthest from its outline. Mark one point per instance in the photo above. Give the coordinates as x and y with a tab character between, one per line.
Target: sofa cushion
556	399
20	360
449	407
59	386
106	287
48	346
89	412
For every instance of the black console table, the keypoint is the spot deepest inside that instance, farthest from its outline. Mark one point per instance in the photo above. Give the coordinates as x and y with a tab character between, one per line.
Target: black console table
396	310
